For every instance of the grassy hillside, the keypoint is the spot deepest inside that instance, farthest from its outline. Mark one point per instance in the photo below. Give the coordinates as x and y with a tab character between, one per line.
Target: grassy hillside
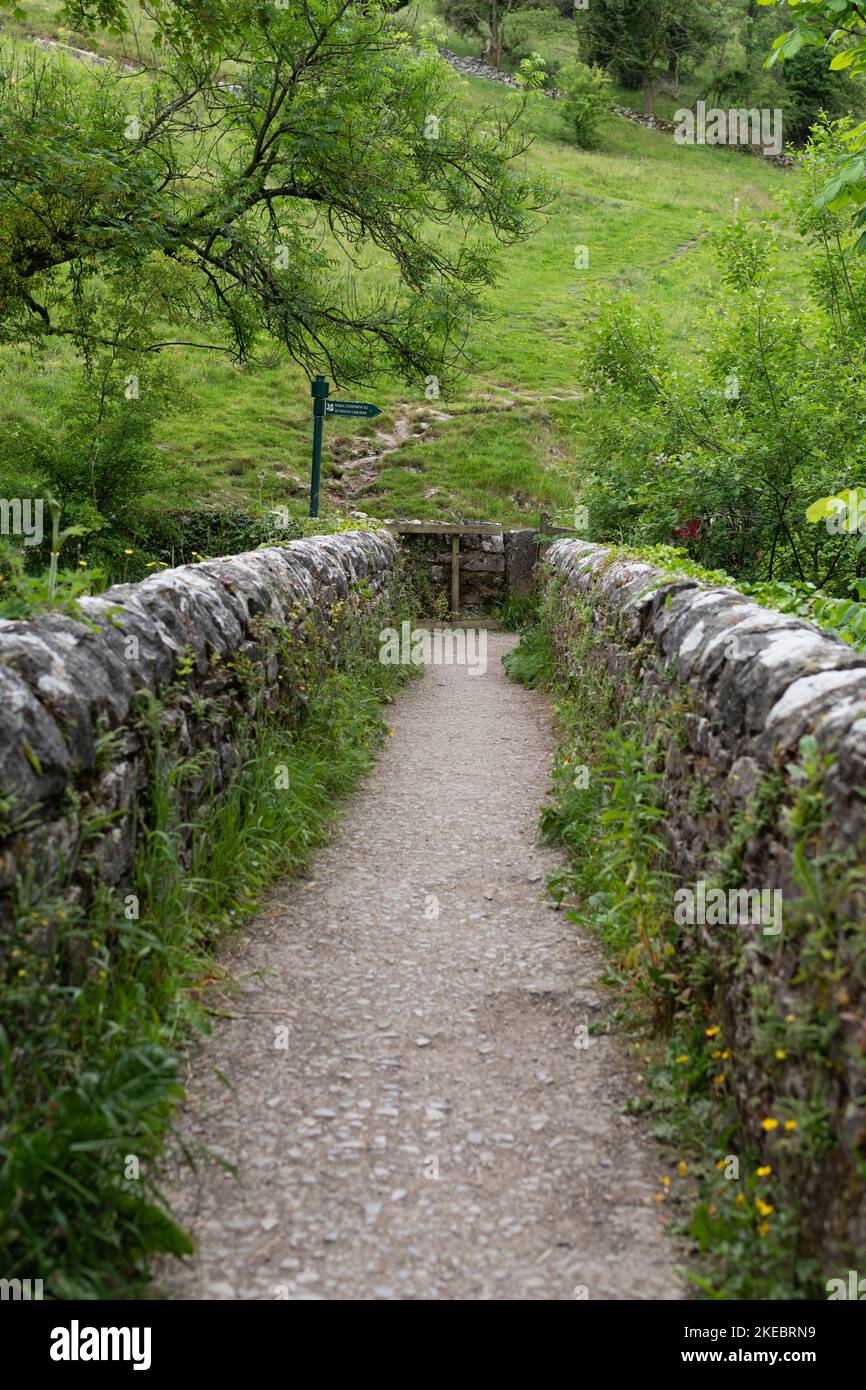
509	443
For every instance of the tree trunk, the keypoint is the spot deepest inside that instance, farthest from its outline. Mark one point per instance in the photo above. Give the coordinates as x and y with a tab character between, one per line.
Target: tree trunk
648	92
494	52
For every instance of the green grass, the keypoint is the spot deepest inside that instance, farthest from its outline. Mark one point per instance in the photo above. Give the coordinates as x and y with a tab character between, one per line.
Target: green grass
640	203
510	468
43	20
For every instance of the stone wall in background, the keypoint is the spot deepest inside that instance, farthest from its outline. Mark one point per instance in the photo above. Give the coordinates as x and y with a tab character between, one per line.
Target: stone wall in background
181	660
490	563
730	689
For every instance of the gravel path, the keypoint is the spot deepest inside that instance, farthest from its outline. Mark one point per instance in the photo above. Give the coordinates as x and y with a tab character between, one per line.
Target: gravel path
431	1131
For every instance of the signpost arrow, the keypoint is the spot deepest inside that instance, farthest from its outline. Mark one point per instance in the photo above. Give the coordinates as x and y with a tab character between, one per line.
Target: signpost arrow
322	407
351	408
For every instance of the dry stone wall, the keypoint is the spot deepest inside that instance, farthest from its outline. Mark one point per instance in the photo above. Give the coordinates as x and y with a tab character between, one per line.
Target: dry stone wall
729	689
182	659
762	679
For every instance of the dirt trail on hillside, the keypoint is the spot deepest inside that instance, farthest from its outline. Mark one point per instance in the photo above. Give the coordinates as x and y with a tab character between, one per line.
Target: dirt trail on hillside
431	1131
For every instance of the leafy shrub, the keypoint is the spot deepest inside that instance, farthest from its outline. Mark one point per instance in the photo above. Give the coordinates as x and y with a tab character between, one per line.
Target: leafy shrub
182	537
725	455
95	451
23	594
585	102
811	89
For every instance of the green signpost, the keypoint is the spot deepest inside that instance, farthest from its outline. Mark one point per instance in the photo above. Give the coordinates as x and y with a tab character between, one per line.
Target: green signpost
319	392
322	407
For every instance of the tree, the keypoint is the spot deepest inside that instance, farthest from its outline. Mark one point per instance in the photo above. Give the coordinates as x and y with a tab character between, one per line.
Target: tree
639	39
809	89
298	176
802	87
484	19
840	29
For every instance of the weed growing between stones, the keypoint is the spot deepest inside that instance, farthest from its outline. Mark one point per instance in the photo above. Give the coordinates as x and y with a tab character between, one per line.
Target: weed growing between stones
99	995
740	1086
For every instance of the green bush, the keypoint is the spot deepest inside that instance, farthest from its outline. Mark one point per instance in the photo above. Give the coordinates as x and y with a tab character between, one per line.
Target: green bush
94	451
182	537
585	102
725	455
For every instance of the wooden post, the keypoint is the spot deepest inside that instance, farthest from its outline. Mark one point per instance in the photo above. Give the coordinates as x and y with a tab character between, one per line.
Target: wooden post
455	578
